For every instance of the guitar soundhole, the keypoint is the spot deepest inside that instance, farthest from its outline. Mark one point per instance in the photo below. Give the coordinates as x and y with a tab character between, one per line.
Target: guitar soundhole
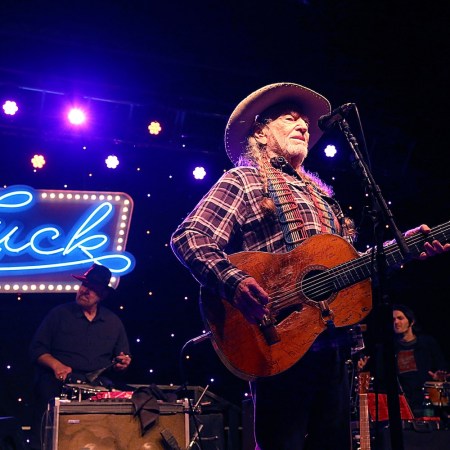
316	288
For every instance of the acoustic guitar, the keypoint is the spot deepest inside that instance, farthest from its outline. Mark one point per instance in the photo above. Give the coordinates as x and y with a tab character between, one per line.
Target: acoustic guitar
323	282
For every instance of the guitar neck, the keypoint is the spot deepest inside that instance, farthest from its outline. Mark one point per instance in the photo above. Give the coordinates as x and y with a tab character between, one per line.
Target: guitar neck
364	427
353	271
415	243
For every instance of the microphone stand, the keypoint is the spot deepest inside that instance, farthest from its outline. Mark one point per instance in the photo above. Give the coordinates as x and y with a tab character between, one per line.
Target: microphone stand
382	217
193	409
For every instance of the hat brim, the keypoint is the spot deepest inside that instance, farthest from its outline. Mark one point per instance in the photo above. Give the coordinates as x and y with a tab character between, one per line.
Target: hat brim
242	119
84	279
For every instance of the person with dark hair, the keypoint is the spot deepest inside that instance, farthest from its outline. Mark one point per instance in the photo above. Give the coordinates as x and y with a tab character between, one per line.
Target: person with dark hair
419	358
264	209
75	340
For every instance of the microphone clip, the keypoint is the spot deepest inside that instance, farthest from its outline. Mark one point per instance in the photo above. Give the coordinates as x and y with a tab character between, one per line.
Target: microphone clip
327	121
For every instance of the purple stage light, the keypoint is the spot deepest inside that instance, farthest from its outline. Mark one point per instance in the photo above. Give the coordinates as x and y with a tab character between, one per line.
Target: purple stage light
10	107
112	162
76	116
330	151
199	173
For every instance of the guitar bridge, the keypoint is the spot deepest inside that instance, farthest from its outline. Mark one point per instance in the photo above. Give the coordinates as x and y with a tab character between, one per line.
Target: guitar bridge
270	333
326	314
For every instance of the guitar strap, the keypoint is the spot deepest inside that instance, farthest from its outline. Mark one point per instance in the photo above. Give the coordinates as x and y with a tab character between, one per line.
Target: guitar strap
287	208
290	217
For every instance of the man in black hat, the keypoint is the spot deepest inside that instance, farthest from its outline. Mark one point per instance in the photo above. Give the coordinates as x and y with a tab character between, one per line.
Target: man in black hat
269	203
77	339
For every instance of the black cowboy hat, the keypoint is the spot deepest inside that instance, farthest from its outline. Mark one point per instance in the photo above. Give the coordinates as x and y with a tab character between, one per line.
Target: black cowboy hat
97	277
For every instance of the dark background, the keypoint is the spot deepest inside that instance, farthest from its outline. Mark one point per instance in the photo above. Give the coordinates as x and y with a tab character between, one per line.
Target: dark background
188	64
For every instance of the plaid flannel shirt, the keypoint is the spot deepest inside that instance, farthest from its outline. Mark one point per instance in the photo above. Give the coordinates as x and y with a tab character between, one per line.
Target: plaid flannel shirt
229	219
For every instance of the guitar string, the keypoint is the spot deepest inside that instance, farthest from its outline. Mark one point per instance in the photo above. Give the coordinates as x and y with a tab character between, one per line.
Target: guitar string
324	279
358	263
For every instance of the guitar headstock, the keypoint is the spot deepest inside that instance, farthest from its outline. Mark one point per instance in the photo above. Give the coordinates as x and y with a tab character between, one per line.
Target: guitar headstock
363	382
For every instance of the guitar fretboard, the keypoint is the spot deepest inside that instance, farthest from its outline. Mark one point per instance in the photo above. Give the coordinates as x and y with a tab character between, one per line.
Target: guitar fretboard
354	271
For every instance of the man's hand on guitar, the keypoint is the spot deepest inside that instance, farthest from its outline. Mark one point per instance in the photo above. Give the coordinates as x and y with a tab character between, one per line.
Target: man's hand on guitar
251	299
430	249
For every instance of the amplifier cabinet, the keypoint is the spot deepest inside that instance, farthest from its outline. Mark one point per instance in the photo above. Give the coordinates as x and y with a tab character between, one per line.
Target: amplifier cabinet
111	425
416	440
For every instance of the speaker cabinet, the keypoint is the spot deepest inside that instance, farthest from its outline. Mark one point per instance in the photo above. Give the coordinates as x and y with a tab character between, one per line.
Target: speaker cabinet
111	425
417	440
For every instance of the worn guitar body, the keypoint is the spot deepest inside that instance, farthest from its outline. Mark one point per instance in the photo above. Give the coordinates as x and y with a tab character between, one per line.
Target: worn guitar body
242	346
323	280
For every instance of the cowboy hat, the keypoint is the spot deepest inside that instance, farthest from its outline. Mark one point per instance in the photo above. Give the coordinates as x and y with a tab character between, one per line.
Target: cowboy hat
242	119
97	277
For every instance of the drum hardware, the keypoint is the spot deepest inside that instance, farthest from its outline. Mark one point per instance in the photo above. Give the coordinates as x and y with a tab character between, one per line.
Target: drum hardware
439	392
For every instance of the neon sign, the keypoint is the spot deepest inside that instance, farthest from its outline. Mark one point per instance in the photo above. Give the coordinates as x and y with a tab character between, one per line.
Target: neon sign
47	235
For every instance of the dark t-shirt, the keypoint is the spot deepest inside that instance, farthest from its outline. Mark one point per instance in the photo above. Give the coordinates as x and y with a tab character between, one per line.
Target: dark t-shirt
414	360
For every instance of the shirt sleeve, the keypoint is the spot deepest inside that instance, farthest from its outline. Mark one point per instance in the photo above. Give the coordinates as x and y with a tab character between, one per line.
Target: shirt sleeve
201	241
122	344
42	339
438	359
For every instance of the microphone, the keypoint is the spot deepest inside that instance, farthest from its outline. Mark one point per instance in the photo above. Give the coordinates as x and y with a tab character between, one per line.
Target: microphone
200	338
328	120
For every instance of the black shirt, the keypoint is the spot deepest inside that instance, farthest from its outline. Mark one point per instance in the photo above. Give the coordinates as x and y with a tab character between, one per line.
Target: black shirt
83	345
